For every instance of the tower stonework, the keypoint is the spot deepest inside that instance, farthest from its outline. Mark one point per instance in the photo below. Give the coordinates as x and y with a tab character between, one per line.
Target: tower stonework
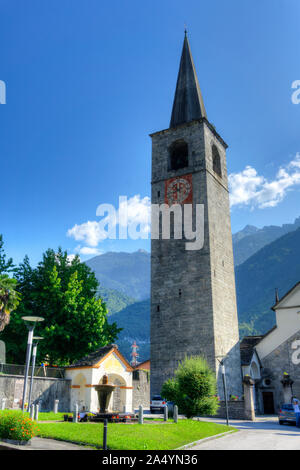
193	299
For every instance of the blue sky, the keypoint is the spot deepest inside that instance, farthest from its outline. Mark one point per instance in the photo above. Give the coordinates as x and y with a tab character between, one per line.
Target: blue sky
87	81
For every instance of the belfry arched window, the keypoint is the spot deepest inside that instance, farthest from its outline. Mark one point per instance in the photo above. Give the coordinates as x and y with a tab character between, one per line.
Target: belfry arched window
178	155
216	160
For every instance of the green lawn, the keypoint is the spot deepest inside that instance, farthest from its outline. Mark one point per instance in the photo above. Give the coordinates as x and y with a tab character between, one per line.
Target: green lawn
50	416
148	436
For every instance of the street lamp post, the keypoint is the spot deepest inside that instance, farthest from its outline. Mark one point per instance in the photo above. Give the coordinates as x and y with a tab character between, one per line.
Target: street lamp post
36	340
225	391
221	360
30	323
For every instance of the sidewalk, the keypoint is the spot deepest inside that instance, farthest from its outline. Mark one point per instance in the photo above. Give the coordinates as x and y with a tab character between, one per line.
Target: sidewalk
264	433
39	443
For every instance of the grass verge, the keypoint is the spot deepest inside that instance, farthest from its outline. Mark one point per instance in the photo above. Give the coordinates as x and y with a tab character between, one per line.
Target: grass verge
50	416
133	436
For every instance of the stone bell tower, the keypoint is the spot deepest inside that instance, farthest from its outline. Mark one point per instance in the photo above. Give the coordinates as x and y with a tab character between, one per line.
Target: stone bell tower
193	299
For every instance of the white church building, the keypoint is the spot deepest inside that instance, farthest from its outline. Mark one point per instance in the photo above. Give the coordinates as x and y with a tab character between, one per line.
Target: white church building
273	360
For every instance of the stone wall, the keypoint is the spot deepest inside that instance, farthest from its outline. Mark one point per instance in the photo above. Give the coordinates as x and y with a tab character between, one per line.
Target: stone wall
45	390
141	389
193	302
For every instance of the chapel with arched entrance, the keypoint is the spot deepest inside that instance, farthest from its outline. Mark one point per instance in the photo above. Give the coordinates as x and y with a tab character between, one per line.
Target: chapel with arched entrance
89	371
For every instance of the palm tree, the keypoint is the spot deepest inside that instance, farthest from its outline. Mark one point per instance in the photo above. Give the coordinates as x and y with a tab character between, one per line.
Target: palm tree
9	299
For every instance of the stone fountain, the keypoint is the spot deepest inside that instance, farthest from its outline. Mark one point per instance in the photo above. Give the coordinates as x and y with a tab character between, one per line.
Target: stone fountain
104	392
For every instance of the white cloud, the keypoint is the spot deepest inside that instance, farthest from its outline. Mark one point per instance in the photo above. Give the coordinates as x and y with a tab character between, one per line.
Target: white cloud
134	213
137	210
87	250
89	232
71	257
247	188
250	189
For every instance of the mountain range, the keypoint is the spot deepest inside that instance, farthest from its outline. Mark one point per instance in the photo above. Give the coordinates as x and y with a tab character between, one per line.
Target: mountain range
264	259
128	273
276	265
251	239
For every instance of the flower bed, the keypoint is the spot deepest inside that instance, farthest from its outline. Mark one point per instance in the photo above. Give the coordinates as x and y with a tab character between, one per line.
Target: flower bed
15	426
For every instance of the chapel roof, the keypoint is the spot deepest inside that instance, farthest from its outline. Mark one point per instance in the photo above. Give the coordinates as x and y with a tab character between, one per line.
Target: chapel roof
92	359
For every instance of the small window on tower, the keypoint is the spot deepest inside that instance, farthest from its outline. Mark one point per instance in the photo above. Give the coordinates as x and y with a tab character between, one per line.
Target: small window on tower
178	155
216	161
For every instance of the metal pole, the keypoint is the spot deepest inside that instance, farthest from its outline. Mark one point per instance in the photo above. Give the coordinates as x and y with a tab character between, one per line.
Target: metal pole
225	392
175	414
105	435
32	411
141	414
36	412
28	354
166	412
75	414
55	408
32	374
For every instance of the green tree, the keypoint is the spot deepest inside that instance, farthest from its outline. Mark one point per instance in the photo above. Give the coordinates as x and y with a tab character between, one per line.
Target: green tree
5	265
64	293
9	299
193	388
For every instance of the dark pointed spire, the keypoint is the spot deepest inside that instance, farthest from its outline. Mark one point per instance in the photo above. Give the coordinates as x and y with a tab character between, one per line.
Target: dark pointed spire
188	102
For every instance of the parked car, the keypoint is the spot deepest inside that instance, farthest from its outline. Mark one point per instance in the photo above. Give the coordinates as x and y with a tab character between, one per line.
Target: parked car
287	414
157	403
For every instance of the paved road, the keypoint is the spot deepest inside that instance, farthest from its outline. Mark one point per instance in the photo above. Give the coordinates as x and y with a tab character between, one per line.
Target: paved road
264	434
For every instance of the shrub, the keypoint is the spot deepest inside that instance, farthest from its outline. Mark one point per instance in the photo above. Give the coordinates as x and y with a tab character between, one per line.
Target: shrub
193	388
170	390
15	425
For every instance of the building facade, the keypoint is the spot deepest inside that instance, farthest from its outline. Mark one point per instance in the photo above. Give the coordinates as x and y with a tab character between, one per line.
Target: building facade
89	371
273	359
193	299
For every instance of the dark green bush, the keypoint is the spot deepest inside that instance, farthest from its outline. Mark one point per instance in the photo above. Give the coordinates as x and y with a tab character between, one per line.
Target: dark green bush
193	388
16	425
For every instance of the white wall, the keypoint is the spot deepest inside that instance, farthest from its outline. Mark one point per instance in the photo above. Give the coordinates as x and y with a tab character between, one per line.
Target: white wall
111	366
288	323
253	369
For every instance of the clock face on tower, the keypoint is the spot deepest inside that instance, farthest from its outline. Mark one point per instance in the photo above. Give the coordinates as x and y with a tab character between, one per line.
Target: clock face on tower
179	190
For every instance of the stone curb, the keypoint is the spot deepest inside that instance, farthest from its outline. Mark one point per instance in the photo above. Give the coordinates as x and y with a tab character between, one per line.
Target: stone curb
201	441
